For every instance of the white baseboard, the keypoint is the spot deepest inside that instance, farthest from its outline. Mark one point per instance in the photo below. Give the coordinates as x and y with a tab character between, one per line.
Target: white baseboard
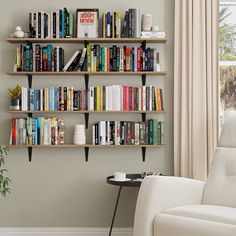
65	231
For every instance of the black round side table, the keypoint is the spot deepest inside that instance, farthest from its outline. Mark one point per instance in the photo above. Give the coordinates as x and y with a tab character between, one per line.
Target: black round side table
133	182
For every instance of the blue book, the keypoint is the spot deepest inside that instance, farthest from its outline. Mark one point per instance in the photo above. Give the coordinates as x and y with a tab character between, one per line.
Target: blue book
155	59
49	56
27	57
50	99
35	100
55	99
38	130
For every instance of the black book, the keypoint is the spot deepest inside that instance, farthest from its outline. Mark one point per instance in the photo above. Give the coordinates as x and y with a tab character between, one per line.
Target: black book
125	26
130	24
39	25
54	25
75	62
45	25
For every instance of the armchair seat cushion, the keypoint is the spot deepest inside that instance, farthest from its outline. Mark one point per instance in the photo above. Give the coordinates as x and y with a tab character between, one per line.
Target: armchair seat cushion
226	215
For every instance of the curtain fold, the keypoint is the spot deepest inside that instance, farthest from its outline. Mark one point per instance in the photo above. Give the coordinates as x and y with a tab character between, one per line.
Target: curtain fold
195	86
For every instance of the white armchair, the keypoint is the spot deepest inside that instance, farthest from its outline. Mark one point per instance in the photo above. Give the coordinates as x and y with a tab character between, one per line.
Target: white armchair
172	206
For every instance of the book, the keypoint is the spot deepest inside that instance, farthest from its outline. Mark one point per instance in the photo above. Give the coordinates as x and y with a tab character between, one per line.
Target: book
87	23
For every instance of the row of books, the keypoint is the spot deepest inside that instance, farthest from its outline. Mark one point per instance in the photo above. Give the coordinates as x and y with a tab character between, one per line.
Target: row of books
35	57
128	133
99	98
54	99
36	131
60	24
54	24
122	59
125	98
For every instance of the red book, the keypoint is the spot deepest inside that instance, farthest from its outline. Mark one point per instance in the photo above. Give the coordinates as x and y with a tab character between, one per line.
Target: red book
159	100
13	131
127	98
82	104
124	98
139	59
132	97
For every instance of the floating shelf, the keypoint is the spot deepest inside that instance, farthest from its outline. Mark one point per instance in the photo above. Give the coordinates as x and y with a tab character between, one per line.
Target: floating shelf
86	148
73	73
82	112
89	40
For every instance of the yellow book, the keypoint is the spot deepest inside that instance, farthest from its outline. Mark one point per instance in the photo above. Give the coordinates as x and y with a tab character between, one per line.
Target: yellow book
156	99
104	25
113	25
118	27
18	60
139	98
101	104
41	130
98	98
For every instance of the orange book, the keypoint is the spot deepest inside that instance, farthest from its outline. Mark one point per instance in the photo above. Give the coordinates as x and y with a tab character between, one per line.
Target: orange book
159	100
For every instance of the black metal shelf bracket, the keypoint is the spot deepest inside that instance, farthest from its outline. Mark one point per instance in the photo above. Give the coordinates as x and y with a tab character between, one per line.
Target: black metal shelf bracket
86	118
30	153
86	115
143	116
30	81
144	153
86	152
144	76
144	44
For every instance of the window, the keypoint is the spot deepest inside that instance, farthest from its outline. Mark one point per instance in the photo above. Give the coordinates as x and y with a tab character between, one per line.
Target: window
227	54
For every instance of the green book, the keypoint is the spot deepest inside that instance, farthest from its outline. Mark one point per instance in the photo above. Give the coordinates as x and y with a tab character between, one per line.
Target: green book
150	132
103	59
154	125
162	133
89	58
159	132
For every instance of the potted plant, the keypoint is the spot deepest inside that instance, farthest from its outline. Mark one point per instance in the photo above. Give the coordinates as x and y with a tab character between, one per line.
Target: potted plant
15	95
4	181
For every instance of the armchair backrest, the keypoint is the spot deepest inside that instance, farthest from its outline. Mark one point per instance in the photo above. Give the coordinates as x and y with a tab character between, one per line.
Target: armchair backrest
220	186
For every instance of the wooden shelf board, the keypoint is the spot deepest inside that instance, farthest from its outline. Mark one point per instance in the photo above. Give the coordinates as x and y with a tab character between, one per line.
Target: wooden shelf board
90	40
81	112
73	73
86	145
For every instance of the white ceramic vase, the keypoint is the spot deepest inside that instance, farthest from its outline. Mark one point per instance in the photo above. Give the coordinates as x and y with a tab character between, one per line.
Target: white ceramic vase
18	33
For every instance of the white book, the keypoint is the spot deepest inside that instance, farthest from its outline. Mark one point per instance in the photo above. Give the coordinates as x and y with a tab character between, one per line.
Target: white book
136	141
113	92
91	99
36	25
144	98
41	100
45	133
71	60
72	98
117	139
87	23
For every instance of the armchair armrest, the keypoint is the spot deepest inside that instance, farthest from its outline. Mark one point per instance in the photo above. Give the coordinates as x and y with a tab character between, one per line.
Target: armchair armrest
158	193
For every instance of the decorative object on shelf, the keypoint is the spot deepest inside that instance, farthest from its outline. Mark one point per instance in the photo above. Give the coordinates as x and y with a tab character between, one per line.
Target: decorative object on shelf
4	181
147	22
18	33
153	34
155	28
15	95
87	23
79	134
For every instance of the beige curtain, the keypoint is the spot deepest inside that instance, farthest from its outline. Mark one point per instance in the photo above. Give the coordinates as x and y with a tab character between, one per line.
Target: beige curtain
195	86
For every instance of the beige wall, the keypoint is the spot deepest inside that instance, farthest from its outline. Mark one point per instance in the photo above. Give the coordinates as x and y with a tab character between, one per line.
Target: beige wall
58	189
